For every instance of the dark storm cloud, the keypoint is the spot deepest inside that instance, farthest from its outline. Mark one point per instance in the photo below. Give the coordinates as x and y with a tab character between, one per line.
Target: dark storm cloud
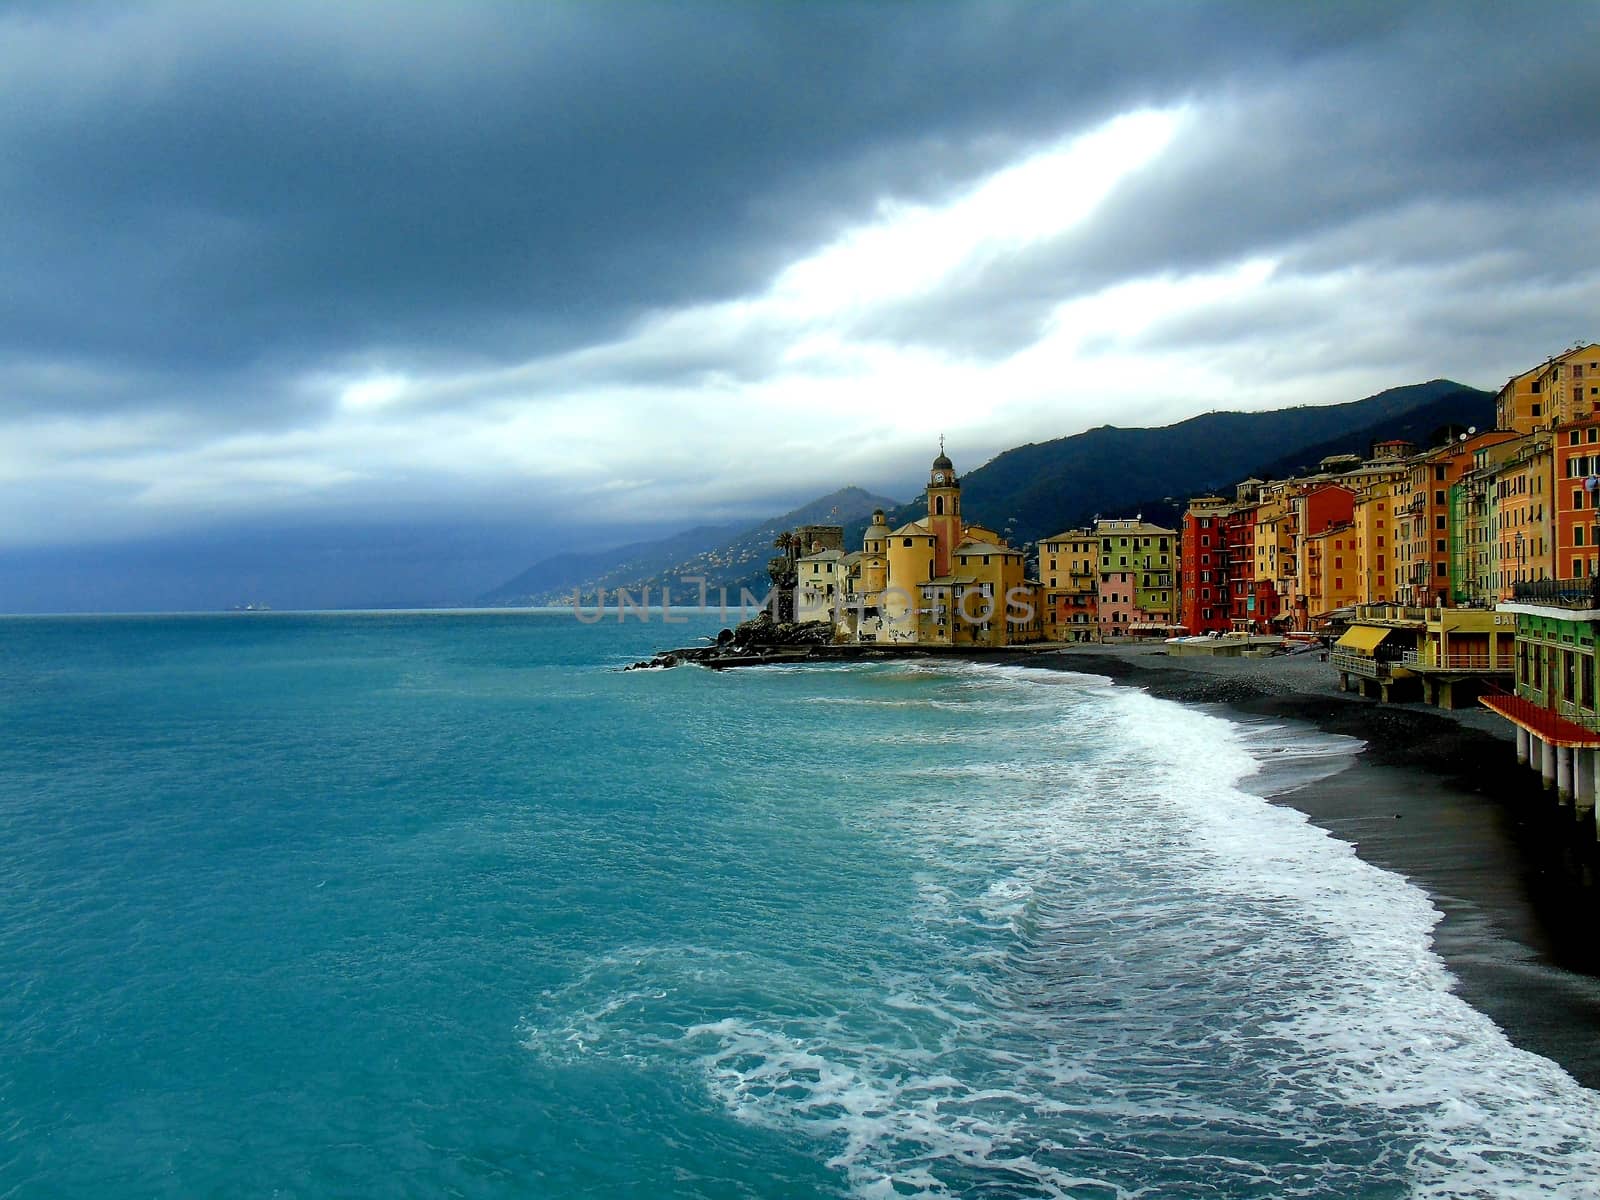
1435	141
204	186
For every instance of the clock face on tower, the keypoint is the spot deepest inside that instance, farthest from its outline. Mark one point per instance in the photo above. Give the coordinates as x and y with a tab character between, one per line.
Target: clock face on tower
938	476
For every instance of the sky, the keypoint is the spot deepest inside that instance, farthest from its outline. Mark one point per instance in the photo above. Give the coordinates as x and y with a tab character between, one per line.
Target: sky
381	302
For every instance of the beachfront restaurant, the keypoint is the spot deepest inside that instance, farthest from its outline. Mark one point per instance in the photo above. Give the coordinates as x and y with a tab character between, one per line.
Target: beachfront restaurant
1464	653
1370	654
1554	707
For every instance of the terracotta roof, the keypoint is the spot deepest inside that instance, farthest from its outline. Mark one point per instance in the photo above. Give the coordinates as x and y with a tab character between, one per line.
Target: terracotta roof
912	529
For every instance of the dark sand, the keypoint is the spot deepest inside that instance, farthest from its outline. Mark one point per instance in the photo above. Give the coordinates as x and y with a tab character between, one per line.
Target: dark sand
1440	799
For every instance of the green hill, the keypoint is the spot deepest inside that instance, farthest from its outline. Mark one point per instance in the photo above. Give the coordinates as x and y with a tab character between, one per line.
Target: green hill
1042	488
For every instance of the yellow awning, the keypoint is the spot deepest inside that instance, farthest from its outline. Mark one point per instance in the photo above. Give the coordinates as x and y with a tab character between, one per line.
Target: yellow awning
1363	638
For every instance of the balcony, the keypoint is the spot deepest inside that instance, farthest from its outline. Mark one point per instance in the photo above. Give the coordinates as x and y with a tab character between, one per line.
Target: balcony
1559	593
1481	662
1363	665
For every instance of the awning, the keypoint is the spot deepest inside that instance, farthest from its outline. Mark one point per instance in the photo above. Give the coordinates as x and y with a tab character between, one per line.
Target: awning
1363	638
1541	722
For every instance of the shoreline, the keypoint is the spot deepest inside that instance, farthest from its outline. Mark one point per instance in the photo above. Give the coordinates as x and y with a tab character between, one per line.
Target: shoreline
1438	798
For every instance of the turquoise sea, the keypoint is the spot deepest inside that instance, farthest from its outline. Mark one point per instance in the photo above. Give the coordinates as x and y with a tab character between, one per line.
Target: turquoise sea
449	905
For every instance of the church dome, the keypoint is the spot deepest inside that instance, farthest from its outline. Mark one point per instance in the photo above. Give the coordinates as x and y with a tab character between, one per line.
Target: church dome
943	463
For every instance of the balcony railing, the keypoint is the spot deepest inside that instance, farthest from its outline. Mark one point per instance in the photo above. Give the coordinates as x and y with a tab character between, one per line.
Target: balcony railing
1352	663
1561	593
1469	661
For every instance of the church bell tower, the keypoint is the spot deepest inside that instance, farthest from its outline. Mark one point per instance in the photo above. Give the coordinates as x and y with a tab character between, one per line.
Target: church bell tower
944	510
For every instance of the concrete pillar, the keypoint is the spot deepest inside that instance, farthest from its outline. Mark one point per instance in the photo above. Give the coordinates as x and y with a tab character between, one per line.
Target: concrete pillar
1547	764
1522	745
1583	780
1564	774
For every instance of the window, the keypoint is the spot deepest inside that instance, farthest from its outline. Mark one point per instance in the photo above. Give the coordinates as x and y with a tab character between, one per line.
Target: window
1438	568
1438	522
907	542
1438	546
1535	408
1577	540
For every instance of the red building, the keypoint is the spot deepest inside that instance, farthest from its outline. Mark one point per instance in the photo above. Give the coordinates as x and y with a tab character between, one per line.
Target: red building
1204	558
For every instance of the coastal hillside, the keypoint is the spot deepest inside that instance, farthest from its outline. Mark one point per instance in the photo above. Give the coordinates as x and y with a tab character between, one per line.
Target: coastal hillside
563	572
727	556
1039	489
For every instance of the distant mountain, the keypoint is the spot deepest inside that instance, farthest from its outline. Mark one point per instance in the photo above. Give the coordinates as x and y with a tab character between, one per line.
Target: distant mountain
1423	425
1042	488
550	577
727	557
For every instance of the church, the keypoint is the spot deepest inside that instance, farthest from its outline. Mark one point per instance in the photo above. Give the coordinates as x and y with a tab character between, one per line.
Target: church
935	581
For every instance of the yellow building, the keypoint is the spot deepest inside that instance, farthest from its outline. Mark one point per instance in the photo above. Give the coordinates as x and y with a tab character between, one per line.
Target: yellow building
1068	570
1562	389
1271	545
1525	516
1374	536
1331	570
1570	385
945	582
1519	405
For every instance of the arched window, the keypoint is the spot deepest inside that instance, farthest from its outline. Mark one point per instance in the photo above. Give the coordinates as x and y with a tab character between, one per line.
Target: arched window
938	505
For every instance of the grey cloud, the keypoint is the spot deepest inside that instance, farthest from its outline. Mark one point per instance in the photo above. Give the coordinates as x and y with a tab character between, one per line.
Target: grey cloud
210	187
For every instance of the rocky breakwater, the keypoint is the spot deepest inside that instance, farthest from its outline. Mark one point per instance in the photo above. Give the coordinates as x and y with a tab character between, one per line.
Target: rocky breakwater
759	640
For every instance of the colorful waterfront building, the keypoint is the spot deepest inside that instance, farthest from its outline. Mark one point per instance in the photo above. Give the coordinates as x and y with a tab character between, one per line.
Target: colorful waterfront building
1205	605
1570	384
1135	588
1273	546
1425	520
937	581
1372	526
1576	497
1317	510
1474	519
1554	709
1068	573
1524	529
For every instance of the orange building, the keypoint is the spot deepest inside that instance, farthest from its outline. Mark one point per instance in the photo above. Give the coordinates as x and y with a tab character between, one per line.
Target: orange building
1524	515
1576	499
1425	519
